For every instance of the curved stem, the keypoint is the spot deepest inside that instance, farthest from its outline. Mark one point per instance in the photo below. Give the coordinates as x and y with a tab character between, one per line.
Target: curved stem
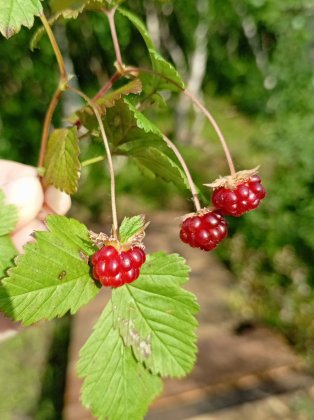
213	122
110	15
174	148
45	132
196	102
56	49
109	157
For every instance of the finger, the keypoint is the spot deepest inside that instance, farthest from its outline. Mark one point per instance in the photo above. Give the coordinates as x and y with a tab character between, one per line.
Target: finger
23	235
10	170
58	201
27	195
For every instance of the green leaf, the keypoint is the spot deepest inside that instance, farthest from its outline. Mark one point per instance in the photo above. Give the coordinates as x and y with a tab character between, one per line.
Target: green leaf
165	269
116	386
70	9
166	76
17	13
157	320
86	114
53	276
7	253
132	134
8	216
62	164
131	226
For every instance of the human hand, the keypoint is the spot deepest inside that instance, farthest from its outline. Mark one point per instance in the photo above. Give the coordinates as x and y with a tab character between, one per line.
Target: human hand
22	188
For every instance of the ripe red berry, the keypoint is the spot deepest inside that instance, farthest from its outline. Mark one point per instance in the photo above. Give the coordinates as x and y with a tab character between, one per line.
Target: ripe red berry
204	231
245	197
113	268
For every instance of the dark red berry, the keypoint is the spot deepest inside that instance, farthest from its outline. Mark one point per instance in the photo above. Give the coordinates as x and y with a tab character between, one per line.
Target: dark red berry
245	197
204	231
114	268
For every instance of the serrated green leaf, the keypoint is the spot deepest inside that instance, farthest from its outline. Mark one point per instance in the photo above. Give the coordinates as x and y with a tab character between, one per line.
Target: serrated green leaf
15	13
86	114
166	76
158	321
7	253
116	386
159	164
165	269
8	216
130	226
62	164
53	276
132	134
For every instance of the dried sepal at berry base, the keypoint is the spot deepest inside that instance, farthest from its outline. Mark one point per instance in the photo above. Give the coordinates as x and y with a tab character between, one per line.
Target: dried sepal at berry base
237	194
204	229
117	263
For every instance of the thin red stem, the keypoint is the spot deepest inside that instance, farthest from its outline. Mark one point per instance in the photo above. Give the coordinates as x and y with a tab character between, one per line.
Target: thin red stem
116	76
45	132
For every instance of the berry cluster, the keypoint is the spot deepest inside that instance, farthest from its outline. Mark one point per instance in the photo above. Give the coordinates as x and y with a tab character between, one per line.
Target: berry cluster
114	268
245	197
204	231
233	196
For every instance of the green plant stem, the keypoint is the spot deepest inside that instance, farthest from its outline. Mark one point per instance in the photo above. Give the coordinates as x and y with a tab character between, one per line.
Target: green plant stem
56	49
193	189
57	94
198	104
110	15
92	160
109	157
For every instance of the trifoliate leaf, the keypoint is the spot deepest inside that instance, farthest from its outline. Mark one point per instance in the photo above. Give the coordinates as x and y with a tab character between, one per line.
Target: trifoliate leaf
17	13
130	227
158	321
53	276
166	76
7	253
61	160
8	216
116	386
86	114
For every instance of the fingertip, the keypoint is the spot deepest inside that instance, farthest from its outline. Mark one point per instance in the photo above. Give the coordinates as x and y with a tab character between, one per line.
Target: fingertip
58	201
24	235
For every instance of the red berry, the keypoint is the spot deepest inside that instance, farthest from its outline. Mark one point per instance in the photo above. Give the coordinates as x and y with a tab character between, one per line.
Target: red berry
245	197
113	268
204	231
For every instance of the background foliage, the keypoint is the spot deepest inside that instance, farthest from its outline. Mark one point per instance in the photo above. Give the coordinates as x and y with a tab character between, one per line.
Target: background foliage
259	59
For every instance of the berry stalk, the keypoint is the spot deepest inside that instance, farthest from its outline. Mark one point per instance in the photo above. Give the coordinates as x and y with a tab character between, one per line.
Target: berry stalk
213	122
193	189
109	158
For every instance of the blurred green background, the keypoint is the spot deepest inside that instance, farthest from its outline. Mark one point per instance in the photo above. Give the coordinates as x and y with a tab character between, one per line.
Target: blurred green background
252	62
